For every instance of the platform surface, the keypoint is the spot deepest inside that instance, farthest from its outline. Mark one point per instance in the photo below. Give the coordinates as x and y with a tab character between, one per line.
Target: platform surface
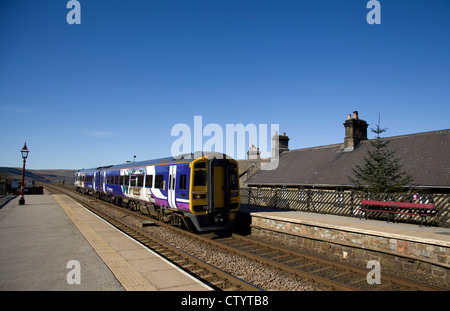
411	232
40	240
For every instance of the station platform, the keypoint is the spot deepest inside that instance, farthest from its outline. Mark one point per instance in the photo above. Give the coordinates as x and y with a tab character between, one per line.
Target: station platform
400	246
412	232
53	243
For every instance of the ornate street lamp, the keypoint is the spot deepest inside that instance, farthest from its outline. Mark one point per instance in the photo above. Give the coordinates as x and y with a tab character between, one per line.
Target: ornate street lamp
24	152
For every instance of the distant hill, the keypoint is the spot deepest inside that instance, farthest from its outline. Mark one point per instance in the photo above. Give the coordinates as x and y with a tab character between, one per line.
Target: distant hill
50	176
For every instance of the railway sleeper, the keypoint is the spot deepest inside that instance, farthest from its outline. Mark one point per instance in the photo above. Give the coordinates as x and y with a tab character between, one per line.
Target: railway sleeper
208	276
218	283
358	280
187	265
281	257
269	254
197	271
305	265
322	269
232	289
344	273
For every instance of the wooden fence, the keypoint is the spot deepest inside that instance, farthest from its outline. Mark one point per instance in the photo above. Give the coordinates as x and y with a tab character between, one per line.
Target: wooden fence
344	203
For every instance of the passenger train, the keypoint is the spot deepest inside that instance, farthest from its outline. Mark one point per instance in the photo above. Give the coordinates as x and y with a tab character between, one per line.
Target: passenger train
202	191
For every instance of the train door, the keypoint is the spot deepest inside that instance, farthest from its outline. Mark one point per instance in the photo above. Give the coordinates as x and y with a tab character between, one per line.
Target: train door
217	183
94	184
219	186
171	189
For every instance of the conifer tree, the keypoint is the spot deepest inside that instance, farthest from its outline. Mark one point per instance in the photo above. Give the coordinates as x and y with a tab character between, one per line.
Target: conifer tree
381	172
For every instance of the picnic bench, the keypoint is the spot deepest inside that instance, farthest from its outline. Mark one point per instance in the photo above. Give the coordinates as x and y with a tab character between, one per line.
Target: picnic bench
419	209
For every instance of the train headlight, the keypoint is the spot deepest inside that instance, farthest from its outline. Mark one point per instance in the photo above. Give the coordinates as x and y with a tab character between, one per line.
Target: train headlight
234	194
199	196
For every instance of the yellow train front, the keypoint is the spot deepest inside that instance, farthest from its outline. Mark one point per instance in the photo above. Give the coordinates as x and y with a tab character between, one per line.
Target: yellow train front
214	193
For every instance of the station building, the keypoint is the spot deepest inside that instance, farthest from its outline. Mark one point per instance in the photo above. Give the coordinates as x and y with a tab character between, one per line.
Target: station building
425	156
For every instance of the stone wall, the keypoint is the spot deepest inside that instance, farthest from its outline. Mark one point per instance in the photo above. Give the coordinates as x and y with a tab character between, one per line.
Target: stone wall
423	259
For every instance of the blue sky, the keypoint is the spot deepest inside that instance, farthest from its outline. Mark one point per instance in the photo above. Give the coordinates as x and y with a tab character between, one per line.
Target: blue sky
114	86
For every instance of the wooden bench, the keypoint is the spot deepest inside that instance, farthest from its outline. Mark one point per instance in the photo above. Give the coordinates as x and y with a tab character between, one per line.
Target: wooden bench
419	209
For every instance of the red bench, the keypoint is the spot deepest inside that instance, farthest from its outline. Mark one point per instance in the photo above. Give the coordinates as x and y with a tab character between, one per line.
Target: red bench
419	209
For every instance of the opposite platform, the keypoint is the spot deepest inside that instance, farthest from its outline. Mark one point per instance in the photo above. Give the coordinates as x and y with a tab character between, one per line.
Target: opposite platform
400	246
39	239
411	232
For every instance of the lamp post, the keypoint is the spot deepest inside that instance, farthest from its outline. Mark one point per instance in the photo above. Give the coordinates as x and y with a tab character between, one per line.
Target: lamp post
24	152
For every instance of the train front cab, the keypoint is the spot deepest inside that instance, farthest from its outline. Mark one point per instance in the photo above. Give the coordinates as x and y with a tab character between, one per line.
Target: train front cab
214	193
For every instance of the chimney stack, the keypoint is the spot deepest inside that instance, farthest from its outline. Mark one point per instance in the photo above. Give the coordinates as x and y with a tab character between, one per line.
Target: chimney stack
283	144
355	131
254	153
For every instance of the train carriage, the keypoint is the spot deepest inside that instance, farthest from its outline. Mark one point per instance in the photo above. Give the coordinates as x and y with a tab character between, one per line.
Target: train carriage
85	181
203	191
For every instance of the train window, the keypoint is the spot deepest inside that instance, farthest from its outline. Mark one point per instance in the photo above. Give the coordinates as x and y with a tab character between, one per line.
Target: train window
159	181
140	181
127	181
233	179
108	179
149	181
116	180
121	180
200	165
200	178
183	179
133	180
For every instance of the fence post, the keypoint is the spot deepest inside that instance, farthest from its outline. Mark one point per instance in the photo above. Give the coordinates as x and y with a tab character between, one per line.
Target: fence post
276	198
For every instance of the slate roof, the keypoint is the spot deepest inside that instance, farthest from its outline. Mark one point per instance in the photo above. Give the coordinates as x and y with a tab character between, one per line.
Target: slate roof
425	156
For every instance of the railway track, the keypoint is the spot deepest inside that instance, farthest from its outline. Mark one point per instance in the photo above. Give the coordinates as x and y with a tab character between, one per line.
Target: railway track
332	274
318	273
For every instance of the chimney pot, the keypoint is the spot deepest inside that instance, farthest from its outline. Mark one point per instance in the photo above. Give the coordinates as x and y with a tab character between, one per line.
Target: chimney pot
254	153
355	115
